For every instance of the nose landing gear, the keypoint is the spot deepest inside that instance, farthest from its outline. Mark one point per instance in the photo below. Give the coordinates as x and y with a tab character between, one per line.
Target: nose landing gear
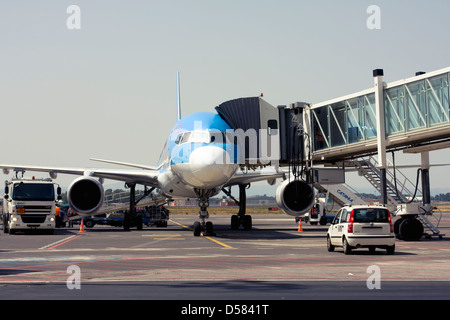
203	227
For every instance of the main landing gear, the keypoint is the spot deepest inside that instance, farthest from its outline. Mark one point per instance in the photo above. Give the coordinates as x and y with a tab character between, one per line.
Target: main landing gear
130	217
241	218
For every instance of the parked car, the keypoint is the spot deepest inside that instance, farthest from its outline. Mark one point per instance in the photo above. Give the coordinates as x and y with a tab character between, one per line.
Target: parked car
361	227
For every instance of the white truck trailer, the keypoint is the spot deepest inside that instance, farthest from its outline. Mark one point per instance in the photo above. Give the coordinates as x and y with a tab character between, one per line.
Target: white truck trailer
30	204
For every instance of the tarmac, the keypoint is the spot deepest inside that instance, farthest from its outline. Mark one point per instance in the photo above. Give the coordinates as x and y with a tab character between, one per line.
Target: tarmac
275	261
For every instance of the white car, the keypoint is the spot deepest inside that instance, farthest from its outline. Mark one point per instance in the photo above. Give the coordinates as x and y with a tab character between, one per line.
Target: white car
361	227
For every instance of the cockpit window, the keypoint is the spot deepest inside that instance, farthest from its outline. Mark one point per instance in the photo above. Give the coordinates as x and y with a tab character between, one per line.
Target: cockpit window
185	137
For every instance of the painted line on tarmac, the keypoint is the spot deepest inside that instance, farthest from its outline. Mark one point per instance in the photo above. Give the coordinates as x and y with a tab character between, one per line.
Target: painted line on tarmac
60	242
206	237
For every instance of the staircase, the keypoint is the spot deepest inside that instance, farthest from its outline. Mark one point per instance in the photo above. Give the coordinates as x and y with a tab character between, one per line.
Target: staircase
399	189
398	186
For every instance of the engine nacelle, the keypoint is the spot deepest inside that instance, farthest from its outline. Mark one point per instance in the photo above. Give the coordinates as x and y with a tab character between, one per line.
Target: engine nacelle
295	197
85	195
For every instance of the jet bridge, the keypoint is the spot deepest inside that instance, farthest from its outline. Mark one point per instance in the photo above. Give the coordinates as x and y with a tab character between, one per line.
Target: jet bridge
412	115
272	136
268	135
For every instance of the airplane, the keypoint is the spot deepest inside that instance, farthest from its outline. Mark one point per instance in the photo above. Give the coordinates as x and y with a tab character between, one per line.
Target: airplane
199	160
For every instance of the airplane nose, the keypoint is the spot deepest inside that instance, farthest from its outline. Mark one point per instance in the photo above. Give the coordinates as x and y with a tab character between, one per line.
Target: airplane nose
210	167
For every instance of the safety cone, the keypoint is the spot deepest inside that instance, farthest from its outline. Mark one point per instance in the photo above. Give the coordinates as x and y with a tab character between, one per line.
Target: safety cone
82	227
300	229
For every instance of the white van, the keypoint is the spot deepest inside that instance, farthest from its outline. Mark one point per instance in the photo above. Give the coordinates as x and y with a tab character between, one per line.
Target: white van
361	227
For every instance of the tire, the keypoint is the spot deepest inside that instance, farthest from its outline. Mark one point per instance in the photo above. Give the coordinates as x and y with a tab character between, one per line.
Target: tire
197	228
397	228
330	247
411	229
235	222
346	246
247	222
209	228
390	250
89	223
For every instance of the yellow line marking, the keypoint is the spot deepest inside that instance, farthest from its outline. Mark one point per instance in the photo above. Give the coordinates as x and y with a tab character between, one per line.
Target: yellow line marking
206	237
182	225
218	242
162	235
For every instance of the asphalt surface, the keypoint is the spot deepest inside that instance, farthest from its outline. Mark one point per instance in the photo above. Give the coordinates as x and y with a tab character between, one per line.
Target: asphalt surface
272	262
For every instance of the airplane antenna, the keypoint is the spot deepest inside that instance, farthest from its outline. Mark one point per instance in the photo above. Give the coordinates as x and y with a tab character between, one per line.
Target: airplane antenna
178	97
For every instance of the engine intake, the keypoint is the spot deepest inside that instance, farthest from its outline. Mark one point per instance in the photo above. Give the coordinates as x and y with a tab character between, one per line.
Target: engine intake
85	195
295	197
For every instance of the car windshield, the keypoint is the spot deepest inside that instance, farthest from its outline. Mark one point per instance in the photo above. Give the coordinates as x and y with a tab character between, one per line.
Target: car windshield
371	215
33	191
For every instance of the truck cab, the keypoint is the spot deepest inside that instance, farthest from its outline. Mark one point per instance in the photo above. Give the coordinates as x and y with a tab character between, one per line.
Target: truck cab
30	204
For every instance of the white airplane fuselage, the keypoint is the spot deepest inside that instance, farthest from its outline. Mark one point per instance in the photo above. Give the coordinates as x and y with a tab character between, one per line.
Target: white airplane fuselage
197	156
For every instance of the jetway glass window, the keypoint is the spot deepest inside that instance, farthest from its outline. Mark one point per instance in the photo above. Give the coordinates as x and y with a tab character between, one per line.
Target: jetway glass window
437	97
320	128
415	105
394	102
354	121
338	127
367	104
344	122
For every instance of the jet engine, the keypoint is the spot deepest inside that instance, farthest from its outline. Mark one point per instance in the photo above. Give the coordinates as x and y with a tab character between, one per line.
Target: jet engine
85	195
295	197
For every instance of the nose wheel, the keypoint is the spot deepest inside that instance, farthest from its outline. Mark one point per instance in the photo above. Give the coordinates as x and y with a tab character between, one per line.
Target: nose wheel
203	226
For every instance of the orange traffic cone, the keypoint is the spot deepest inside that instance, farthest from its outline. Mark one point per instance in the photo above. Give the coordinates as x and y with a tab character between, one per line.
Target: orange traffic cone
300	229
82	226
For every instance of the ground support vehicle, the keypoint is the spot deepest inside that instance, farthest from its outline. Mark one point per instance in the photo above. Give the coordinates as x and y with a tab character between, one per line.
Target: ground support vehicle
152	215
30	204
414	222
362	227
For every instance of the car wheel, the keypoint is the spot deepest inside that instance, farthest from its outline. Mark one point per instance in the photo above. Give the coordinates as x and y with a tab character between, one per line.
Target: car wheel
390	250
346	246
330	247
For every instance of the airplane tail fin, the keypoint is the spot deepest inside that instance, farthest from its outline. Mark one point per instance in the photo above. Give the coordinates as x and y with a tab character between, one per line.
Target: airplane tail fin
178	97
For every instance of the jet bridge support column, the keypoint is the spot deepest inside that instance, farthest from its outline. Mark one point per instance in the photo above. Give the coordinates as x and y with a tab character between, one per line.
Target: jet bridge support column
381	131
425	157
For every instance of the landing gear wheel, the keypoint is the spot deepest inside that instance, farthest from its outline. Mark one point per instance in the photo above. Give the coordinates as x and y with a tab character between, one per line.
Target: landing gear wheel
247	222
197	228
235	222
209	228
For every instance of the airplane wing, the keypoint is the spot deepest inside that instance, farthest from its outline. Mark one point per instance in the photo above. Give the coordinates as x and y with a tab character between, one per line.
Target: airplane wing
244	178
143	176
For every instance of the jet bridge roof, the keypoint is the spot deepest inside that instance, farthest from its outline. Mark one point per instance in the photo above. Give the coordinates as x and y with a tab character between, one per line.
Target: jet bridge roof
242	113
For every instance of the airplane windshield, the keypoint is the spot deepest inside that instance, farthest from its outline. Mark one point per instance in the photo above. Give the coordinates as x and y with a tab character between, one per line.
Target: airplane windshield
199	137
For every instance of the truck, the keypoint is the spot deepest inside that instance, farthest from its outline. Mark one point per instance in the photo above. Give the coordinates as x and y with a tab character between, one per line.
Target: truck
30	204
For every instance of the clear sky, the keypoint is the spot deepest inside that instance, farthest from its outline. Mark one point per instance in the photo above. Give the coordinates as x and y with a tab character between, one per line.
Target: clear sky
107	90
